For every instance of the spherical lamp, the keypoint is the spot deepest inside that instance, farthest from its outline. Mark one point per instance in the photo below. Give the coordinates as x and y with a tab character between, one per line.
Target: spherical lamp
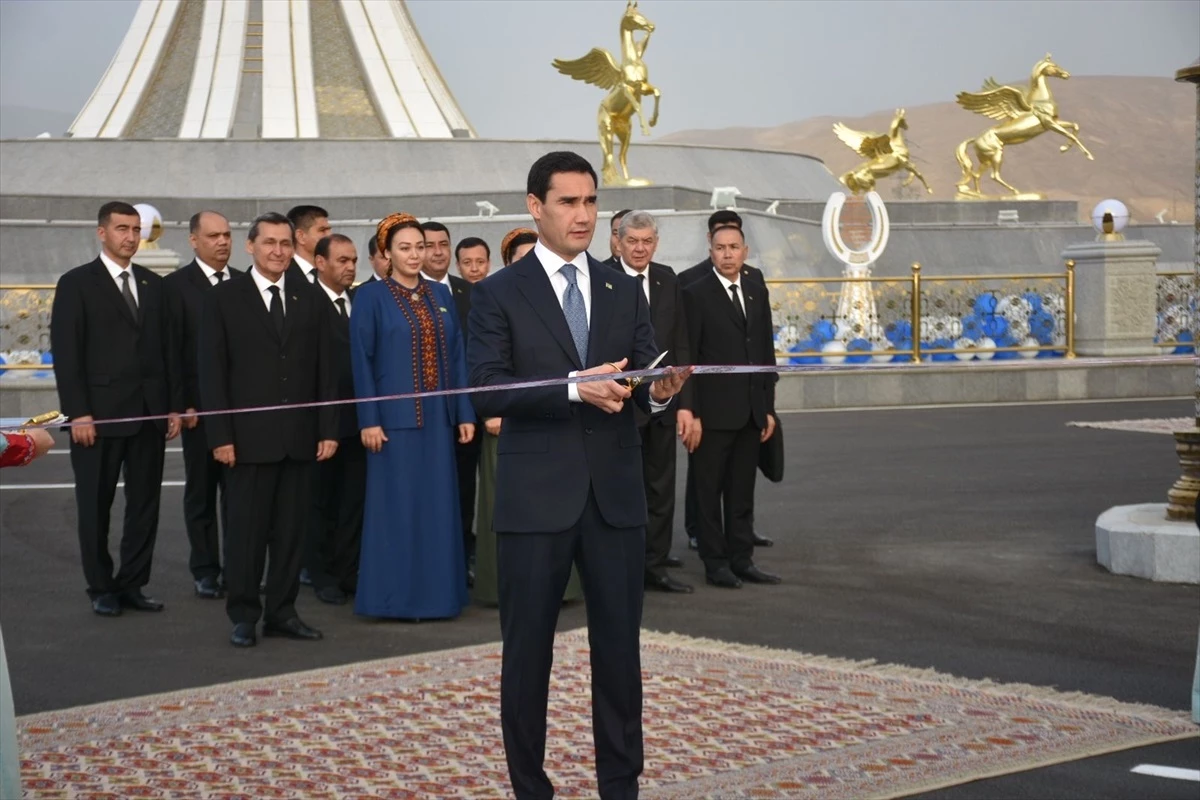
152	226
1109	218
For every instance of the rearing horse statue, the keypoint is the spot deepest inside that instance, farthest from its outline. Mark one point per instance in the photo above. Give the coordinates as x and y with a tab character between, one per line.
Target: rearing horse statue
627	84
885	154
1022	116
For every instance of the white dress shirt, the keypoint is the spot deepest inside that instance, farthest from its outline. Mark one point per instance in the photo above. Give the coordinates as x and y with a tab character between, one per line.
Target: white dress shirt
211	273
116	270
264	284
308	268
335	296
633	273
726	283
444	281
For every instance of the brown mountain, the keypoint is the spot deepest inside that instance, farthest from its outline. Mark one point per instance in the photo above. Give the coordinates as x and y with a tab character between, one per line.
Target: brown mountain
1141	131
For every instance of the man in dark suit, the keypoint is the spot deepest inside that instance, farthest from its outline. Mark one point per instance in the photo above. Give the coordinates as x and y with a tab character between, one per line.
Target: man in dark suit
311	224
724	218
341	481
436	267
637	241
473	258
729	322
265	341
569	477
108	332
184	291
614	249
379	261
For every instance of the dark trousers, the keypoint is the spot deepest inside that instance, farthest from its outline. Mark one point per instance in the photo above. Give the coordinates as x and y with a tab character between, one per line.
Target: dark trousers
139	458
658	468
341	485
205	475
467	458
691	516
268	507
533	572
725	466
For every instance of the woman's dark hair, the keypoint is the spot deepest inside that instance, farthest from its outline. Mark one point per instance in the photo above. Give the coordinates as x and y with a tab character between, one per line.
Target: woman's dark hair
517	241
391	234
550	165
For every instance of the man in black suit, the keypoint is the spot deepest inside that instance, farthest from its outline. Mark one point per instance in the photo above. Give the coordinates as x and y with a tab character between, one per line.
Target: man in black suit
108	332
614	248
184	291
718	219
311	224
341	481
436	267
729	322
265	341
637	241
379	261
473	258
569	477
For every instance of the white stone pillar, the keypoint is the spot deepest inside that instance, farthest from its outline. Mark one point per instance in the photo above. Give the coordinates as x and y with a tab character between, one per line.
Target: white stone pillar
1115	286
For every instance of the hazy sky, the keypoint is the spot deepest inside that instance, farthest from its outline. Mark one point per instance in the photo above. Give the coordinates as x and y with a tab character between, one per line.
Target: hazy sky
718	64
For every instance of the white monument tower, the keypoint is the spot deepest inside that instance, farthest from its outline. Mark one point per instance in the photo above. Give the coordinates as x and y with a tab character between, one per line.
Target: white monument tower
271	69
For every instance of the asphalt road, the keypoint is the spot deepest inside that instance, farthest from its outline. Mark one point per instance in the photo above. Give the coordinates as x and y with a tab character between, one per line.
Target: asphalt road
959	539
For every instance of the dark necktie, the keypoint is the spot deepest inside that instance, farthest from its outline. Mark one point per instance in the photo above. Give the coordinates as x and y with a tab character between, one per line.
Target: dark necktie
737	306
642	285
312	277
127	293
218	277
276	309
341	304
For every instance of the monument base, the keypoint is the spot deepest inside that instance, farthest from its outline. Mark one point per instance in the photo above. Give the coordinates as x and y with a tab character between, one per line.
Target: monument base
1141	541
971	194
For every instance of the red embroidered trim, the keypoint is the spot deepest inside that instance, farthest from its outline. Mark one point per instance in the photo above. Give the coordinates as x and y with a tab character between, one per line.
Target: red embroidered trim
428	337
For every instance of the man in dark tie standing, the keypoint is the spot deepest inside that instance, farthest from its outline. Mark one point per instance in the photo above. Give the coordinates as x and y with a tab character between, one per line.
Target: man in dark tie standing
614	249
569	477
184	290
108	332
341	481
729	322
312	225
265	341
637	240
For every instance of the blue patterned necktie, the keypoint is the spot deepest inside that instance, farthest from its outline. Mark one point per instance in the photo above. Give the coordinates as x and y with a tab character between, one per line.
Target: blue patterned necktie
575	312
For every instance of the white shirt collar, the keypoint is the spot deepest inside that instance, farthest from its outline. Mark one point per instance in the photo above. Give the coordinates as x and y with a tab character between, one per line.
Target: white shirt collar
445	280
304	265
553	263
633	272
332	294
208	271
263	283
114	269
725	282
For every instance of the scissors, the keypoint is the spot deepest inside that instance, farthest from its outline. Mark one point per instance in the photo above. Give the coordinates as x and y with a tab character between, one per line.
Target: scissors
633	383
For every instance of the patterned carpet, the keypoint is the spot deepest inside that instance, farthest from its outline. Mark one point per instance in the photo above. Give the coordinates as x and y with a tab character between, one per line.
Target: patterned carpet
722	720
1167	425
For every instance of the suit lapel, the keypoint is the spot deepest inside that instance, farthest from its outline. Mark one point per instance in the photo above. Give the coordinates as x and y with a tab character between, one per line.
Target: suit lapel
603	303
107	287
535	285
749	296
257	307
719	291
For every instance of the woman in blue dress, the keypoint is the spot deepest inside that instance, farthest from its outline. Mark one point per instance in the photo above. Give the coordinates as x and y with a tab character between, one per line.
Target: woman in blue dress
405	337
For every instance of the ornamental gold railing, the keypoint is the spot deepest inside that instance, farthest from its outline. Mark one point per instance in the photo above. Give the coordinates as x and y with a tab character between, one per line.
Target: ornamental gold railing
1175	307
25	327
915	318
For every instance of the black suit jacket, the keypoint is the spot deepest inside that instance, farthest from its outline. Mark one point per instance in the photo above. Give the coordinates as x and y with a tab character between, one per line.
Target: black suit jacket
107	362
705	267
551	451
184	291
339	350
461	289
245	363
670	333
728	402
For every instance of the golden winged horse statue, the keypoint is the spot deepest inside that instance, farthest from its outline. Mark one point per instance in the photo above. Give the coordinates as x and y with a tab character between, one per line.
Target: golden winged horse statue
627	86
885	154
1022	114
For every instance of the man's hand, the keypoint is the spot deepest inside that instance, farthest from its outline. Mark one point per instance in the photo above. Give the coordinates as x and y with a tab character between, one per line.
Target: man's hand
769	430
693	440
466	432
225	455
174	425
326	448
84	434
688	428
669	384
190	420
373	438
607	396
492	425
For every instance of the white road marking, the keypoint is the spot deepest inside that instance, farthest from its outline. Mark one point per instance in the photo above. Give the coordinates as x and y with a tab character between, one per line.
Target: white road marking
1168	772
9	487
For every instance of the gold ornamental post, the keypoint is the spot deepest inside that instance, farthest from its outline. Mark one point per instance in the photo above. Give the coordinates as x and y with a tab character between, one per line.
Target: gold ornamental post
1070	308
916	312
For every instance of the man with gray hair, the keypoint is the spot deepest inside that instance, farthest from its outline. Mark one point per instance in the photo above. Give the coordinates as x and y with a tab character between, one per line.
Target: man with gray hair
636	241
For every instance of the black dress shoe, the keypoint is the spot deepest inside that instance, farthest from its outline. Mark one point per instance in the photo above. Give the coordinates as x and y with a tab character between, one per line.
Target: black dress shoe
723	578
332	595
665	583
762	541
139	602
243	635
470	578
753	574
672	561
305	578
107	605
209	589
292	629
693	544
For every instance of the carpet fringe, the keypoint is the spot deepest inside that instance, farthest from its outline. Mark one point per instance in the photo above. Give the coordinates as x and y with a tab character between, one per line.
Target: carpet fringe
1046	694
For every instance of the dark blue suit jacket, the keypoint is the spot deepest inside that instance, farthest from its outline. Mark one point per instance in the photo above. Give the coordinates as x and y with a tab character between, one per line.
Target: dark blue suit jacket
552	450
381	357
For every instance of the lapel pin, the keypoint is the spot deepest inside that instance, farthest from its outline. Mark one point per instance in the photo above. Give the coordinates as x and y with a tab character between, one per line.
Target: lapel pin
442	309
294	297
748	297
145	284
607	285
